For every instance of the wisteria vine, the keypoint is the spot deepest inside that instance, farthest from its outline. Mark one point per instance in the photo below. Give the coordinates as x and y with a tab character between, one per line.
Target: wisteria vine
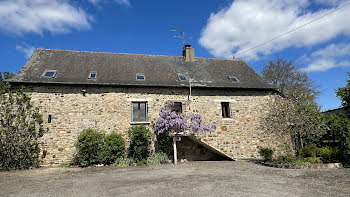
174	123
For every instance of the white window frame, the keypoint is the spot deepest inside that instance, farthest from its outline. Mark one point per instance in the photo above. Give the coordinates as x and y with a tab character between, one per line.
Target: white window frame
46	71
229	77
93	72
178	76
144	77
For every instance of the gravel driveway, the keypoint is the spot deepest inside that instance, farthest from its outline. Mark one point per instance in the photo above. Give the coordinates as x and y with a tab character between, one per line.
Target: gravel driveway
223	178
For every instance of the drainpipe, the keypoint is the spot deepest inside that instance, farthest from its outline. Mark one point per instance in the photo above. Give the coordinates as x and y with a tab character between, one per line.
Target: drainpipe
175	151
189	97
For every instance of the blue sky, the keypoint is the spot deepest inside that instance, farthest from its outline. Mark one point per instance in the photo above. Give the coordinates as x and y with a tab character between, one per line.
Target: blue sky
219	29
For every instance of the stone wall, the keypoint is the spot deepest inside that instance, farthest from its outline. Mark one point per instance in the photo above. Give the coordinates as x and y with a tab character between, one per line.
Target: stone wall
109	109
190	150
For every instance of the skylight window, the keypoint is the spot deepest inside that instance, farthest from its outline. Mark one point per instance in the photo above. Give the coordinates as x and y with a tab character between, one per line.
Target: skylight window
233	79
49	73
93	75
182	77
140	77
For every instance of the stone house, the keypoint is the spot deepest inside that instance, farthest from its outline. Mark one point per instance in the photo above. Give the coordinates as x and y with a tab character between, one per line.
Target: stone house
336	111
75	90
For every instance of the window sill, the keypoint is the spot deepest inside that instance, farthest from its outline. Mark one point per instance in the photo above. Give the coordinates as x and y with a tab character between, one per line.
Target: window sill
138	123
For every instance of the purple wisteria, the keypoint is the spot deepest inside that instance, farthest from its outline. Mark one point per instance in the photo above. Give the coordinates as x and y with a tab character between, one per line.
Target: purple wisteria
174	123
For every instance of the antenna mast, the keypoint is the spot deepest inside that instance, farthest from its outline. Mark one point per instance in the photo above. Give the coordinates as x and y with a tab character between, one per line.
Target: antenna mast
181	35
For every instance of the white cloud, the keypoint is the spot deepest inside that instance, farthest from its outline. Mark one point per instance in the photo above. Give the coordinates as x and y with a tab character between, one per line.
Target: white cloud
37	16
247	23
332	56
26	49
122	2
329	2
94	1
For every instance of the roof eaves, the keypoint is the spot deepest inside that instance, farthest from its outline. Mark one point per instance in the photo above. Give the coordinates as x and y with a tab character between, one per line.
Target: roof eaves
138	85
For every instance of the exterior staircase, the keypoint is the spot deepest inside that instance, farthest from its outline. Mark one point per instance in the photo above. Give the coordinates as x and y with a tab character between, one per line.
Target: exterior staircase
203	141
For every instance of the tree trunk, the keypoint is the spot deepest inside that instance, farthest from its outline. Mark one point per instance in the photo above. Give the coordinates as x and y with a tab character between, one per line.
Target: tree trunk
301	141
294	143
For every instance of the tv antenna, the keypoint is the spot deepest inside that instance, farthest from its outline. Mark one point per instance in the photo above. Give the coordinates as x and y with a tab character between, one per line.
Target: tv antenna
181	35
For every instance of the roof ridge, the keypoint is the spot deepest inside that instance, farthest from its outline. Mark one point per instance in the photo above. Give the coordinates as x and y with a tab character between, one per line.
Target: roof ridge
103	52
211	58
45	49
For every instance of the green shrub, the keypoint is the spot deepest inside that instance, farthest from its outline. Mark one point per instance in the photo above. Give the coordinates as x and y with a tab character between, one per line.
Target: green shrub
300	162
113	148
312	159
157	159
123	162
329	155
65	165
142	162
89	148
266	153
289	158
326	154
310	150
164	144
140	141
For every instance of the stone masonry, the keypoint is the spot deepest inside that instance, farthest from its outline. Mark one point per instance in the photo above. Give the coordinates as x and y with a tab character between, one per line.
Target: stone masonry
109	109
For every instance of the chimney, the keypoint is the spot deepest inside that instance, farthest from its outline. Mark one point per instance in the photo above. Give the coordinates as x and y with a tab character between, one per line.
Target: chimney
188	53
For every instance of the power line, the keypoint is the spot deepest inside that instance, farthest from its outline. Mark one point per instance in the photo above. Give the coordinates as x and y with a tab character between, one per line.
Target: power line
288	32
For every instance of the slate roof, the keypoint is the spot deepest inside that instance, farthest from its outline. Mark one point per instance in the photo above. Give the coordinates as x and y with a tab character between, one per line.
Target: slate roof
336	111
74	67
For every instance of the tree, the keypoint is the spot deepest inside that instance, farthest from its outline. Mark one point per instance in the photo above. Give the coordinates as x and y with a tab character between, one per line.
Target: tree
290	80
338	125
302	123
20	129
171	124
341	122
344	94
4	76
297	114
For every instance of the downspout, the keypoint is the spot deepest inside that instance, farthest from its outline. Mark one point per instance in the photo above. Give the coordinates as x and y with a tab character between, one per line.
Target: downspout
189	97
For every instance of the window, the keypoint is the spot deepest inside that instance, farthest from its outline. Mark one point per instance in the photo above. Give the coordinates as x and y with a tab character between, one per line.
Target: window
93	75
140	77
177	107
225	108
182	77
233	79
139	111
49	73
